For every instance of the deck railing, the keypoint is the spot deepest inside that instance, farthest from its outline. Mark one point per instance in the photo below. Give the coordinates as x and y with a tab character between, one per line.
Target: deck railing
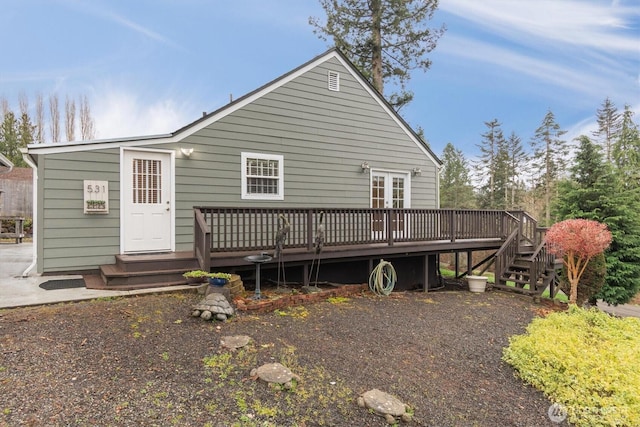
254	229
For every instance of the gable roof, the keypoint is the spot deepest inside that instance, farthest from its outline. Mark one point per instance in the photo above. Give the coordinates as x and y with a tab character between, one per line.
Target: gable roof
233	106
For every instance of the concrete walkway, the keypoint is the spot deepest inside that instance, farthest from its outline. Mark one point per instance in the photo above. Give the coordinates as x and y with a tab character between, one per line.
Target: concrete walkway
18	291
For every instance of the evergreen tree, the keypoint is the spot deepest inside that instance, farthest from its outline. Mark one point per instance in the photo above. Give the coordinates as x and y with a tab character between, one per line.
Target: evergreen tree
456	190
549	159
10	139
595	191
517	160
609	126
626	149
385	39
491	166
26	131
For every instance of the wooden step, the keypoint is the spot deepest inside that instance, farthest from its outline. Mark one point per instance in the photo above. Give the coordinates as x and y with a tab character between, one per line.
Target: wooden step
115	278
145	271
150	262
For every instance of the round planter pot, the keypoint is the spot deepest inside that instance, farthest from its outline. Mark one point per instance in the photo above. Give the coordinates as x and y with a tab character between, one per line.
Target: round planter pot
477	283
217	282
195	281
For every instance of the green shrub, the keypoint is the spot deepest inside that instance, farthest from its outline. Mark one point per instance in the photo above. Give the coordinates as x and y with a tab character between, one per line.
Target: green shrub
585	360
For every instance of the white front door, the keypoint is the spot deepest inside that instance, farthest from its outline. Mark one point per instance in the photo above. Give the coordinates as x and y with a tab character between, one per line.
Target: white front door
146	201
389	190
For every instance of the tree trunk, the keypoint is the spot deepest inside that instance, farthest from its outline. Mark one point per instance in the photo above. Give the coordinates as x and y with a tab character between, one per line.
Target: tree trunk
573	294
376	52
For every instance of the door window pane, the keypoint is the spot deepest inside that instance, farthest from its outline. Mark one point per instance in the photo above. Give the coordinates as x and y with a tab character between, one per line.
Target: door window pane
147	181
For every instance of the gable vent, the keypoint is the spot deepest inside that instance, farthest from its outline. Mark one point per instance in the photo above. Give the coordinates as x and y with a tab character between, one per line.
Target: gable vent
334	81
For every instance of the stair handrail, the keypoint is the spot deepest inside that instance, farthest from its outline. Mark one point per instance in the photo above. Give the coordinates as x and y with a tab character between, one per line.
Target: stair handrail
540	260
201	239
506	254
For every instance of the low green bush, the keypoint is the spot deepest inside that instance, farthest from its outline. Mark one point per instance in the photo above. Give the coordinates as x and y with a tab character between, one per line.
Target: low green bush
585	360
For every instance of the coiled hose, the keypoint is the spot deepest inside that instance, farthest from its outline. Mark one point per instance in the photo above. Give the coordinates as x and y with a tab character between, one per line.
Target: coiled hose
383	278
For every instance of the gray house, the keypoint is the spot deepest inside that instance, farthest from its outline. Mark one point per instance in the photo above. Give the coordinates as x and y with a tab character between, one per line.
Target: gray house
319	136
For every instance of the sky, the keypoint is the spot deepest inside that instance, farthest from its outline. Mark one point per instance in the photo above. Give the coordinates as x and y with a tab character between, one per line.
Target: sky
150	67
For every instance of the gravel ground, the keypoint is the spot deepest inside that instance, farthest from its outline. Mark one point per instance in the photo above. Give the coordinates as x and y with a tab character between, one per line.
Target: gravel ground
144	361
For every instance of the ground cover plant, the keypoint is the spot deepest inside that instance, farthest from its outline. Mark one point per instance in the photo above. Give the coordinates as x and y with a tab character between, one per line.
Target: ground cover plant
585	360
144	361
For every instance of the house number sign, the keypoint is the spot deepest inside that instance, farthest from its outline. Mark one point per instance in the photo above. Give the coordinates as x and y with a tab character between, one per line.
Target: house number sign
96	197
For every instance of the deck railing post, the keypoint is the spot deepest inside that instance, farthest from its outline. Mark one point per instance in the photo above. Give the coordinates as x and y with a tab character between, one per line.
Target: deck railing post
309	229
452	225
389	213
201	240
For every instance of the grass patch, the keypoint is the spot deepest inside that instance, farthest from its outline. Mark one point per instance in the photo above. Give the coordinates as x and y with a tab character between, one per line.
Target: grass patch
298	312
585	360
254	403
338	300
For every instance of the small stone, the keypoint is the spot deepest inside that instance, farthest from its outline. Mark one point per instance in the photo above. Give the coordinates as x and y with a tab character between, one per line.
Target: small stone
234	342
206	315
274	373
383	403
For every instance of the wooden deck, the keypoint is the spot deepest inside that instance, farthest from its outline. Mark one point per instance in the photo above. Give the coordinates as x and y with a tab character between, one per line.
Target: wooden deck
352	240
224	236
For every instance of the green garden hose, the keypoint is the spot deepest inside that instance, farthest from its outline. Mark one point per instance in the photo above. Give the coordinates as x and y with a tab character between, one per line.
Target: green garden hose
383	278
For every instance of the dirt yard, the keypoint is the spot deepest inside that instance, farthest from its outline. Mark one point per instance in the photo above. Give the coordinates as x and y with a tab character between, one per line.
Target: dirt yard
145	361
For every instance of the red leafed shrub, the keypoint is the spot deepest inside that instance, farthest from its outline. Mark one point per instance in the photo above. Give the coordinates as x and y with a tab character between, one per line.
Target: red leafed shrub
577	241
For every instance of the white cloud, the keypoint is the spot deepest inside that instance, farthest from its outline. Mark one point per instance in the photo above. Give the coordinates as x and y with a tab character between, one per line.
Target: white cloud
104	12
586	48
593	24
590	80
119	113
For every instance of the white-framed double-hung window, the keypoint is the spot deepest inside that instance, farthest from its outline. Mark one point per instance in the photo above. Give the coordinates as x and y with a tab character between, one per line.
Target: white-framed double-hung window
262	176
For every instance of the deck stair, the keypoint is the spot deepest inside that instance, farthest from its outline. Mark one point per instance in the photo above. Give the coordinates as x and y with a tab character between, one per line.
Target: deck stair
530	269
144	271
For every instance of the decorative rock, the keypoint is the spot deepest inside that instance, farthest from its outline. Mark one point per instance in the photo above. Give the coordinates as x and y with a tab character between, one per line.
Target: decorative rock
275	373
234	342
214	305
384	404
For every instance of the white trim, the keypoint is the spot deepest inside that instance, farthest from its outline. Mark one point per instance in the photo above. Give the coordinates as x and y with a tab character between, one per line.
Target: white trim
34	215
172	189
243	171
407	186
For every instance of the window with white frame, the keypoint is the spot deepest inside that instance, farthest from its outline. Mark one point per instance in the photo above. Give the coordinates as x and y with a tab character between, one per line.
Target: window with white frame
262	176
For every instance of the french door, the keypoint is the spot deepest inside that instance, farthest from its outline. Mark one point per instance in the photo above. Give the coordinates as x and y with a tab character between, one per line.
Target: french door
389	190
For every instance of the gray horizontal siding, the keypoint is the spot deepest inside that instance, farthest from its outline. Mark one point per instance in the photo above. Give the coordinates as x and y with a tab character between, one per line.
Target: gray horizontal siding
323	135
69	239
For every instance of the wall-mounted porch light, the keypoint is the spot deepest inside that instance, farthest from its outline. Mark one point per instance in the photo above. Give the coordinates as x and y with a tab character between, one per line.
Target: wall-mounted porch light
187	151
364	166
416	171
